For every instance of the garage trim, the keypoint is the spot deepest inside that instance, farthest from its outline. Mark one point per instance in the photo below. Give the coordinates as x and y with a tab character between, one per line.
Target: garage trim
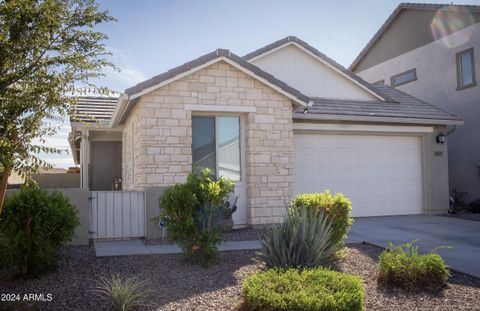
361	128
379	130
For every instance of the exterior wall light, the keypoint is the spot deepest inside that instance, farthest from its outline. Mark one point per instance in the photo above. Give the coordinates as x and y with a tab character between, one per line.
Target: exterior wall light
305	111
441	138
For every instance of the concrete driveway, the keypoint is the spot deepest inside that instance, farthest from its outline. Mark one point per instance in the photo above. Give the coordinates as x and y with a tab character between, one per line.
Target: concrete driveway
431	231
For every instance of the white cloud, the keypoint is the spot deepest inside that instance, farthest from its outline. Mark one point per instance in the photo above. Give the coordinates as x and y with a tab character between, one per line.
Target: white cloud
128	74
59	141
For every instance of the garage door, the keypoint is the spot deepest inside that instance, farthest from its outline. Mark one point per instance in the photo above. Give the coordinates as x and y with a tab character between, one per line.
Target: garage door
380	174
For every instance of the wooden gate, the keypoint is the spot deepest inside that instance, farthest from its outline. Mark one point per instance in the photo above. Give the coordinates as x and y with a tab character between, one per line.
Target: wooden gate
117	214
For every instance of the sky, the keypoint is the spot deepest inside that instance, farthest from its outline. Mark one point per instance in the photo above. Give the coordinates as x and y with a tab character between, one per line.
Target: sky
152	36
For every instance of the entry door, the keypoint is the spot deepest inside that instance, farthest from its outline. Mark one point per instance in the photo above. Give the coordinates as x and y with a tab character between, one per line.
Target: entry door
380	174
105	164
217	145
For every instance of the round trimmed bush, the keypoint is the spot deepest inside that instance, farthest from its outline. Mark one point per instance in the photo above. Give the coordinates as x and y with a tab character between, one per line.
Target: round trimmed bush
337	206
34	224
307	289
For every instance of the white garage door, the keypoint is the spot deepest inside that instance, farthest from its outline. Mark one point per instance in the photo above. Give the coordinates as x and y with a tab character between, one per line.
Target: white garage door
380	174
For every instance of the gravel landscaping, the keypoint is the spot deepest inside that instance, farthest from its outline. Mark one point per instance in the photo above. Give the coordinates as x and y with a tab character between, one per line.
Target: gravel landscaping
178	286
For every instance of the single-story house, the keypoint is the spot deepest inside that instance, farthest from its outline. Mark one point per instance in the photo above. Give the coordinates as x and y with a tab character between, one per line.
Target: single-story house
280	121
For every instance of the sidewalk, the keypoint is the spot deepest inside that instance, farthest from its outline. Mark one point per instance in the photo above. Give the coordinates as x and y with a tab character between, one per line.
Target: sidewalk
136	247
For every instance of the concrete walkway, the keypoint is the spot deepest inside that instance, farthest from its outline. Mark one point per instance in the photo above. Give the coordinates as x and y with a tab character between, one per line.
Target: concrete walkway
430	231
137	247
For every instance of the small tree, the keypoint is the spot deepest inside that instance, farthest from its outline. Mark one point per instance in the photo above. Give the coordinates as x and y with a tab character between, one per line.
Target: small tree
46	46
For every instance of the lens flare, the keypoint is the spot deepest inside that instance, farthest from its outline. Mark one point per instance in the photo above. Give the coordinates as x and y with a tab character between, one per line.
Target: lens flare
449	20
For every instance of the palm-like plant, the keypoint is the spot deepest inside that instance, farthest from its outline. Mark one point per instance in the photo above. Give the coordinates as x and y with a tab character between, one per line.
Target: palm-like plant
303	240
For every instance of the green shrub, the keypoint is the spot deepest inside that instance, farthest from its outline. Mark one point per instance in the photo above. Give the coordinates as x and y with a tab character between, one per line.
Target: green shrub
308	289
123	293
302	240
33	226
402	266
337	207
193	212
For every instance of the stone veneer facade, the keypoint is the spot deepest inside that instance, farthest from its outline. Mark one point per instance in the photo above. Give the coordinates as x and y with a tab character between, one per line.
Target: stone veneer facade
161	127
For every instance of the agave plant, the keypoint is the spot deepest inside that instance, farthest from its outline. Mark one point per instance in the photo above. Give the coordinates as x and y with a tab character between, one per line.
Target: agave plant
123	293
303	240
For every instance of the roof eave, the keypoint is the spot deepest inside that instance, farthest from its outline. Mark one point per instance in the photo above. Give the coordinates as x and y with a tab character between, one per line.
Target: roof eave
359	118
119	110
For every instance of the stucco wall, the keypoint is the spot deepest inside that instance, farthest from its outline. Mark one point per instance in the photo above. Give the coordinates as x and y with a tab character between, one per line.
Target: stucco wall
152	205
163	136
435	174
305	73
436	84
57	180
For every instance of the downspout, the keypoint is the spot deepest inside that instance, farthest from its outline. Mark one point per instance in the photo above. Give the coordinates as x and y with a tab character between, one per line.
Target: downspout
454	127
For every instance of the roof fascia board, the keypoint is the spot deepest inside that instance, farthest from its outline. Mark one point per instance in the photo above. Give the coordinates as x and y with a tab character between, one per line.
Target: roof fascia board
119	109
320	60
96	126
333	117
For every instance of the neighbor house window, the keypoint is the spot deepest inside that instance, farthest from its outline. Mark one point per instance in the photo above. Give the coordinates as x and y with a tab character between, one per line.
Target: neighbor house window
465	69
216	145
404	77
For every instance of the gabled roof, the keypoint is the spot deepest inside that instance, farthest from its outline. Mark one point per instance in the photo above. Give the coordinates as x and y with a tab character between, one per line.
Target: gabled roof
324	58
93	108
217	55
203	61
393	16
407	109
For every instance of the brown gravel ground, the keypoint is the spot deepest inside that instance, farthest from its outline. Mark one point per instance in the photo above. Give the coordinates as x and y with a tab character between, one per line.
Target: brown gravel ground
178	286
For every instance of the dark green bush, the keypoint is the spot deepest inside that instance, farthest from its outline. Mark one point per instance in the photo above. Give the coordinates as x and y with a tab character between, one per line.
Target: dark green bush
302	240
308	289
193	212
402	266
33	226
337	207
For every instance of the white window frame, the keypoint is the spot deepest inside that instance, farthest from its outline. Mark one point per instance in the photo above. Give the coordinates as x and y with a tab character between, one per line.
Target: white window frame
240	125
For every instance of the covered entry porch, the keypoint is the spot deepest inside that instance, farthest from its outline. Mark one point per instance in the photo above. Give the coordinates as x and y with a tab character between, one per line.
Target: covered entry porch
99	153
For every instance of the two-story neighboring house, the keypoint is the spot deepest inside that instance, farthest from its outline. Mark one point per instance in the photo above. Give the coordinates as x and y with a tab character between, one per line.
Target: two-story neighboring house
432	52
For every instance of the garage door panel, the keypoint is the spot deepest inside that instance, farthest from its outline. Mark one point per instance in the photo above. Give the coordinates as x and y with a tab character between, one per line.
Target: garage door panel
380	174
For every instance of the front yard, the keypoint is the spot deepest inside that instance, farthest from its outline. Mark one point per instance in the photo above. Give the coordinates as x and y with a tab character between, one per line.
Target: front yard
178	286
